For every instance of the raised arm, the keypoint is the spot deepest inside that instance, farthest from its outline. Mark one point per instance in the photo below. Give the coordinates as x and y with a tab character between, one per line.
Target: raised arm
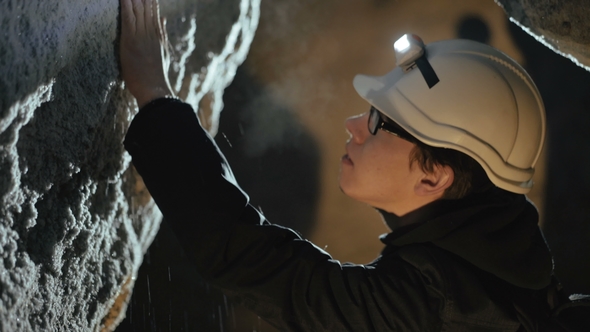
283	278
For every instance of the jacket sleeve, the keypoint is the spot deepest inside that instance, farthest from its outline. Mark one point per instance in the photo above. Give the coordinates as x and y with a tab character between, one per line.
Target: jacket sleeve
283	278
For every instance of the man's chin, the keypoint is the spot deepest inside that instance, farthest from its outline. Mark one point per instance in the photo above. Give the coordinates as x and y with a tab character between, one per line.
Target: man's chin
344	190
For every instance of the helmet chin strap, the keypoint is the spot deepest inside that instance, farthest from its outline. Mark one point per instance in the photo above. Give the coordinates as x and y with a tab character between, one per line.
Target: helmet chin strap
427	71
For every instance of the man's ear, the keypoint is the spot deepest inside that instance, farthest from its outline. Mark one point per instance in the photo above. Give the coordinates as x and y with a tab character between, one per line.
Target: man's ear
435	182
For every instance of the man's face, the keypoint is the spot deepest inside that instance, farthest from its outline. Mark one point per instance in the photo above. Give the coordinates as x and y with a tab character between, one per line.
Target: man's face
376	169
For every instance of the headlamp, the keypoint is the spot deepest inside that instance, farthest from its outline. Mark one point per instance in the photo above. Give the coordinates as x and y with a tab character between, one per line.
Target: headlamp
407	50
409	53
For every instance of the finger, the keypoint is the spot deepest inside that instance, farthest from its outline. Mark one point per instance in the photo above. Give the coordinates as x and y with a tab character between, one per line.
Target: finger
127	17
149	18
139	11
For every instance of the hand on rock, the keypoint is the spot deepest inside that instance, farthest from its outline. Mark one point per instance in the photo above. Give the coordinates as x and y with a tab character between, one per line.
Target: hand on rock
144	57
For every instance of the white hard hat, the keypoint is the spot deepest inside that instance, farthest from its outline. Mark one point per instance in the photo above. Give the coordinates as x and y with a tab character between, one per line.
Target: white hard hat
467	96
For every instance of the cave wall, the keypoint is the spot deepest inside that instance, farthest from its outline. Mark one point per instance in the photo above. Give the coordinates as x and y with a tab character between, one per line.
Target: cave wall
561	25
75	220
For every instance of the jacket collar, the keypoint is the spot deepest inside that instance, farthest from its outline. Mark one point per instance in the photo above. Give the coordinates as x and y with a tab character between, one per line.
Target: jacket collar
494	230
413	219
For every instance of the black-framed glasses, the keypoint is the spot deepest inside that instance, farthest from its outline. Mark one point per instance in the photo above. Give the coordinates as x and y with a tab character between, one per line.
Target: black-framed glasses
376	122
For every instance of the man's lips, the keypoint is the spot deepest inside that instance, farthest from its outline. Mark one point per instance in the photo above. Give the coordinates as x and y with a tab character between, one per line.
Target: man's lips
346	160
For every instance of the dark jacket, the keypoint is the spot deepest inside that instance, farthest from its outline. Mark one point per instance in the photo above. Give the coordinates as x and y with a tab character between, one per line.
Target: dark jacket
464	265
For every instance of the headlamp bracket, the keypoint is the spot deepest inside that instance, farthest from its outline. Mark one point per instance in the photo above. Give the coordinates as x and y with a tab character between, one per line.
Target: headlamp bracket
410	53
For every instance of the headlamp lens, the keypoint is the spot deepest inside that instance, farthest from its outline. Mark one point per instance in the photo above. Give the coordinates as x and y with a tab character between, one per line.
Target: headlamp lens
402	44
408	48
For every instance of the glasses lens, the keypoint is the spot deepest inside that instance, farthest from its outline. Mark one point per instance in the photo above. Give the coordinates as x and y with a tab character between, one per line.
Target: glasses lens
374	120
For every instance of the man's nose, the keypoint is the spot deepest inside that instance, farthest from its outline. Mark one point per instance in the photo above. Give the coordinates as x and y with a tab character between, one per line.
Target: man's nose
357	127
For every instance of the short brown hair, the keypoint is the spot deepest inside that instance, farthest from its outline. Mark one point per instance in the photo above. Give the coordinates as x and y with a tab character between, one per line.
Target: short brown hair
469	175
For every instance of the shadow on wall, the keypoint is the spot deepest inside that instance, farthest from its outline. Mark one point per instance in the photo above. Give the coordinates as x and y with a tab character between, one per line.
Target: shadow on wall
274	158
276	162
474	28
564	87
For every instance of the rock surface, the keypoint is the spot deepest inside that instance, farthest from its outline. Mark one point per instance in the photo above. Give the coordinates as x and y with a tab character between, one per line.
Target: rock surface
562	25
75	219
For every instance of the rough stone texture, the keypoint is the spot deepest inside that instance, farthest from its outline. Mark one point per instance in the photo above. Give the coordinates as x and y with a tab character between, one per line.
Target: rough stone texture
562	25
75	219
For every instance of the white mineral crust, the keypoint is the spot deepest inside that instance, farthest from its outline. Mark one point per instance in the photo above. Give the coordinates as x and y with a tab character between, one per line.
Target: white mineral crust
74	219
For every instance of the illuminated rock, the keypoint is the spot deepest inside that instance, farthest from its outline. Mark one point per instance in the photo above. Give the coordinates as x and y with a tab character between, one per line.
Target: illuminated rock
75	220
562	25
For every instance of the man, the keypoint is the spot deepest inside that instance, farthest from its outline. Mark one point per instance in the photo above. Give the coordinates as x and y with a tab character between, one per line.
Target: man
445	153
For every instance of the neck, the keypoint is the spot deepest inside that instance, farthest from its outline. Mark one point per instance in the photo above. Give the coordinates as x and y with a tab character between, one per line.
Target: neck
417	216
401	209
